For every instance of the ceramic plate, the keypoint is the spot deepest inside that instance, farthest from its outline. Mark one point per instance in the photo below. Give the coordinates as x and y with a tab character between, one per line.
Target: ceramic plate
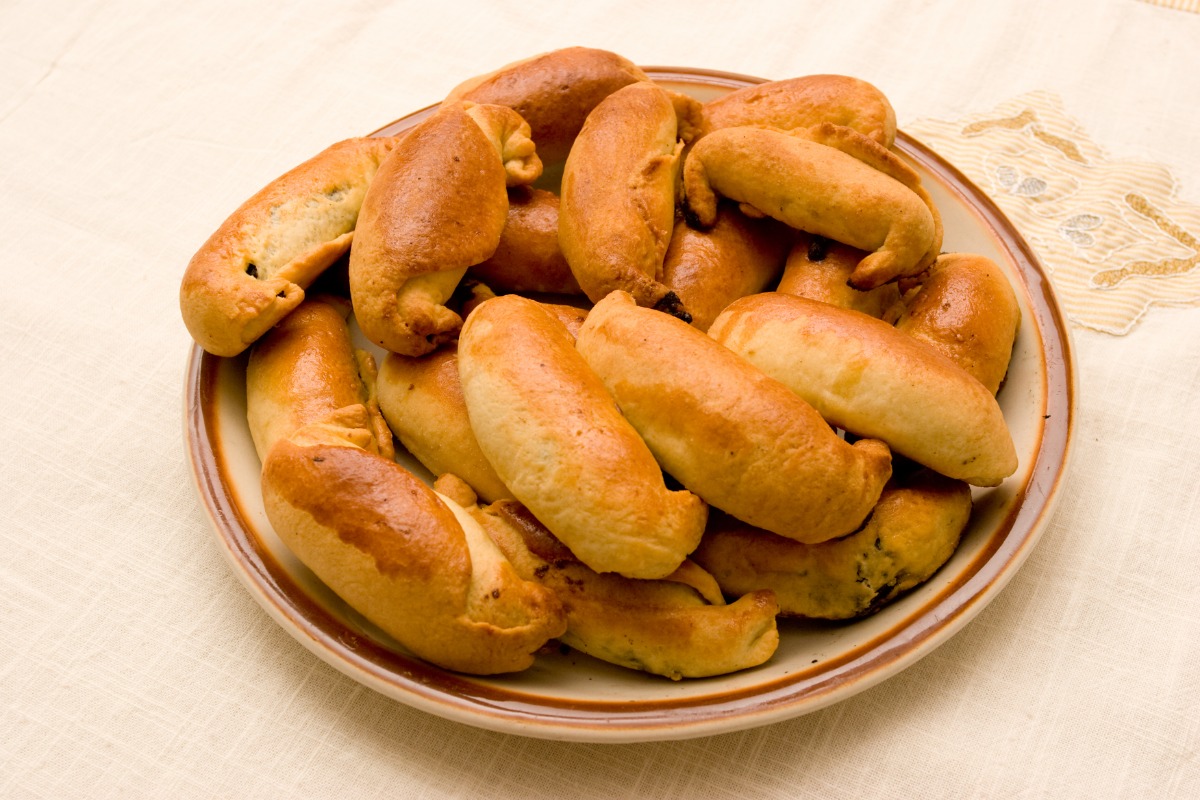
569	696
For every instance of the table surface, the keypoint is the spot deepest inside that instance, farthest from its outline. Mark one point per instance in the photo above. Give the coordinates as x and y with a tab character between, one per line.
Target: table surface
132	662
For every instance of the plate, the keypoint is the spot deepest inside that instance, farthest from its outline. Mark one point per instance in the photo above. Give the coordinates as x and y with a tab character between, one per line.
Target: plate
570	696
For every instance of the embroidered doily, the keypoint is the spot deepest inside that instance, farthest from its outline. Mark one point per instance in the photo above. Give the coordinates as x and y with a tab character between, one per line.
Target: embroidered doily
1111	233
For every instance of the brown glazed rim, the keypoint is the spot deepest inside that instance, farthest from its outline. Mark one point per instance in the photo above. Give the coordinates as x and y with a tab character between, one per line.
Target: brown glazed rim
489	704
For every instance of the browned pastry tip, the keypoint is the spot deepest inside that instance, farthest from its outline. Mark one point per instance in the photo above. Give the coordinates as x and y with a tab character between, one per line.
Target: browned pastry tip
912	531
819	188
820	269
547	425
742	441
554	92
679	626
737	256
303	370
528	257
438	206
966	309
802	102
255	268
619	189
870	379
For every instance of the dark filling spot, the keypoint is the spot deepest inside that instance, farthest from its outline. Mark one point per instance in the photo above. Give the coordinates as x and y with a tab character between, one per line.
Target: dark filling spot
252	270
671	304
818	248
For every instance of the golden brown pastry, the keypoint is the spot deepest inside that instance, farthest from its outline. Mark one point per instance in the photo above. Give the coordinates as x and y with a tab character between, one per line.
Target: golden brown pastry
619	188
820	183
910	534
819	269
554	92
422	401
438	206
871	379
303	370
800	103
679	626
710	269
254	269
411	563
742	441
528	258
966	309
554	436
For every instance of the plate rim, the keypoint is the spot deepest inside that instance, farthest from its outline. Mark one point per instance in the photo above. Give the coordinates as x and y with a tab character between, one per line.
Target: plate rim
426	688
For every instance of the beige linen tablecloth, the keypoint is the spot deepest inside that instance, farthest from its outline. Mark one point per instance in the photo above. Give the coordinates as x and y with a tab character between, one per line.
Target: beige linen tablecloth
132	662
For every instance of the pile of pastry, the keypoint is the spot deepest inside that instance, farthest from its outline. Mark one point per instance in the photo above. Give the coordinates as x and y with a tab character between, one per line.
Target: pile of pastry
717	373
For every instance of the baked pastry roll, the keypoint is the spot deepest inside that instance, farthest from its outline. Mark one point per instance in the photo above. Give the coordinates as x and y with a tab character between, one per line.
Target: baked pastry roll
306	368
820	269
556	439
619	189
739	439
254	269
966	310
829	181
528	258
801	103
554	92
679	626
870	379
911	533
438	206
710	269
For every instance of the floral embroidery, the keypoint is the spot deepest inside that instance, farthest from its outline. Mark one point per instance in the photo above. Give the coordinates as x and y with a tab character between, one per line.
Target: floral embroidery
1111	234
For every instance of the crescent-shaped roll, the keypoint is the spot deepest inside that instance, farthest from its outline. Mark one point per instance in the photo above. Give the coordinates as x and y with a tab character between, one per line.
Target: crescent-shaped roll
554	92
871	379
819	269
966	309
411	562
710	269
806	101
739	439
679	626
254	269
822	189
438	206
422	401
619	187
306	368
911	533
556	439
528	258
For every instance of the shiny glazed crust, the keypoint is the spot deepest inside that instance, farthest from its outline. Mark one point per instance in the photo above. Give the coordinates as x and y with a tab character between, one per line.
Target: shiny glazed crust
678	627
710	269
619	186
739	439
822	187
528	258
303	370
867	377
911	533
554	92
438	206
966	310
254	269
799	103
556	439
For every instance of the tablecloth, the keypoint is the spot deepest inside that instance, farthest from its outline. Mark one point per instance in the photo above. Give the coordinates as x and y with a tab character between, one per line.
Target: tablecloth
133	663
